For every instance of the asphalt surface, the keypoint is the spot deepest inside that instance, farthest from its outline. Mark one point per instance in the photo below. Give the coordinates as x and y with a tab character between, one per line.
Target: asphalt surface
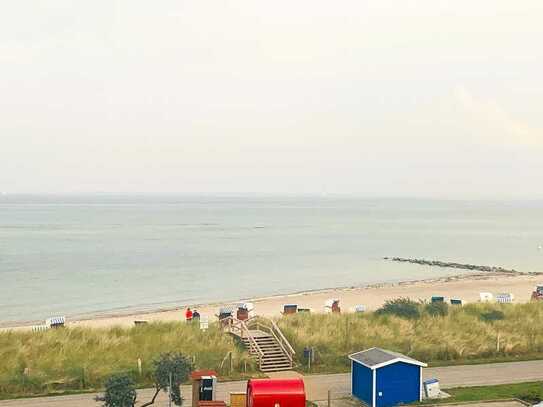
317	386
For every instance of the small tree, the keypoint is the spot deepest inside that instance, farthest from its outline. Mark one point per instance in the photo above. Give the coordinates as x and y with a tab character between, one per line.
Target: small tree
401	307
120	391
174	367
170	369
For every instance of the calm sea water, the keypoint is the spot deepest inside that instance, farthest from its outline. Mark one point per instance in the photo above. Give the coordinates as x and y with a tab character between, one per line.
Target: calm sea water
77	255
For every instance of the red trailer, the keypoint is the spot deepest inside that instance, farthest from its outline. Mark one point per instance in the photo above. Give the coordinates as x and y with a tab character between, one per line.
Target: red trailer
275	393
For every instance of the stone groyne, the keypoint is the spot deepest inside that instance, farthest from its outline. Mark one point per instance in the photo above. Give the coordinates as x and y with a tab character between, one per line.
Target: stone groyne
437	263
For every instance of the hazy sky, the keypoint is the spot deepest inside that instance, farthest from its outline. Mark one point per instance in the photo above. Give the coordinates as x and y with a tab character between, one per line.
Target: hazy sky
375	97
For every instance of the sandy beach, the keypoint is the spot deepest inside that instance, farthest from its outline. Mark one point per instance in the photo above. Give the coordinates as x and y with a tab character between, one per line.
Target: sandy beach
465	287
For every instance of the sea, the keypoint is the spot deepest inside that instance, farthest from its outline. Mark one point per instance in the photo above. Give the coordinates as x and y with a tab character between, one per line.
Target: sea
90	255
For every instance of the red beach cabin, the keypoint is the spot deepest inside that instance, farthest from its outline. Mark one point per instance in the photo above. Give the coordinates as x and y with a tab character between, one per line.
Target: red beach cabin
275	393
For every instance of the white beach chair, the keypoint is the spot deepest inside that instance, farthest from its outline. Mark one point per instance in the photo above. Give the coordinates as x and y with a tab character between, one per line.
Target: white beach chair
359	308
505	298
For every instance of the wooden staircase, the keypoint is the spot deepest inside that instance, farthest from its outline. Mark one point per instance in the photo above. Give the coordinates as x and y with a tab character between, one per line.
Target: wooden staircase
265	342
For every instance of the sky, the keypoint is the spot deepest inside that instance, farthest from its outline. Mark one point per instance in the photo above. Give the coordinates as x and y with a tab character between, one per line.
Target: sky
425	98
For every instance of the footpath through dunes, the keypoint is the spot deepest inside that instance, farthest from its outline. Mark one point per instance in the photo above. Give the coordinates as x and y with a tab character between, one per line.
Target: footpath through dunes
317	386
264	341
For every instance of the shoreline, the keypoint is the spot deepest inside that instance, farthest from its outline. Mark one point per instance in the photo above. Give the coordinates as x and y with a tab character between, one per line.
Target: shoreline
466	286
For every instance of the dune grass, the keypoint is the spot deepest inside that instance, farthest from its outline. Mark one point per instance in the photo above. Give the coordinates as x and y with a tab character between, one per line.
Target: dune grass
465	335
78	359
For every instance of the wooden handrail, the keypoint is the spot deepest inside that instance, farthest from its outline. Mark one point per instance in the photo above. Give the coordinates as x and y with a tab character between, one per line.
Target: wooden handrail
287	353
284	340
242	329
244	332
277	334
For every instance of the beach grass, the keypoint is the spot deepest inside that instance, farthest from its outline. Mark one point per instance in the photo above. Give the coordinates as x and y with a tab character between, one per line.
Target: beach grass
80	359
464	335
531	392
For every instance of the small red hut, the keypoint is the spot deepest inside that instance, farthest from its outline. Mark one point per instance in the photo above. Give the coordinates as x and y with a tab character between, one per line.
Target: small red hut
275	393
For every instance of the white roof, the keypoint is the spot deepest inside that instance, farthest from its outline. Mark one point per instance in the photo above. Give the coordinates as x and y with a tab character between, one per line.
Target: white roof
375	358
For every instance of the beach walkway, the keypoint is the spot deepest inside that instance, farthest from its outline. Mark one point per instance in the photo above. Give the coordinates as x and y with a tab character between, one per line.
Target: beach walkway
264	341
317	386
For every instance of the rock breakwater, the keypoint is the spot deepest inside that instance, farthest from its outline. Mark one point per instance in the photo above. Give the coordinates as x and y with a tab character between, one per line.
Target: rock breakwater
462	266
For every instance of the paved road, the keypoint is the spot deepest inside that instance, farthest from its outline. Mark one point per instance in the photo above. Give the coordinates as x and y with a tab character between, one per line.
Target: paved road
317	385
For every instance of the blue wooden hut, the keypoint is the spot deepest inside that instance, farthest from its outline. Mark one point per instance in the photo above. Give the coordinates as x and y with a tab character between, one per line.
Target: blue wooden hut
381	378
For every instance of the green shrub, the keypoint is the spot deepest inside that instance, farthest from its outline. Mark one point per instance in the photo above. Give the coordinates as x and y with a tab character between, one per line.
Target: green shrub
493	315
437	309
532	396
401	307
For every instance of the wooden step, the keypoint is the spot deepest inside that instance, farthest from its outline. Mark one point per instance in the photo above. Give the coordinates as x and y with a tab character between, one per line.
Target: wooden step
271	359
275	359
275	369
275	363
265	348
269	363
269	368
272	365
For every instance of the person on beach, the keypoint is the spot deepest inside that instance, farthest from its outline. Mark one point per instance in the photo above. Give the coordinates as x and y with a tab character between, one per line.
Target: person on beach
196	315
188	315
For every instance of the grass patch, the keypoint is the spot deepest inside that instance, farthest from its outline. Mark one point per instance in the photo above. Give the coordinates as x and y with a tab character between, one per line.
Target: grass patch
77	360
531	392
463	336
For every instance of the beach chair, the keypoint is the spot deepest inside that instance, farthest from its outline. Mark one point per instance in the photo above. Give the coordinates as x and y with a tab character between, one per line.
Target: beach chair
249	307
290	309
225	313
359	308
55	322
505	298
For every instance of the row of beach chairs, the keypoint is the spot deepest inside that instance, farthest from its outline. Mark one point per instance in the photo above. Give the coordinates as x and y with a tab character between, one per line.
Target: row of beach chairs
502	298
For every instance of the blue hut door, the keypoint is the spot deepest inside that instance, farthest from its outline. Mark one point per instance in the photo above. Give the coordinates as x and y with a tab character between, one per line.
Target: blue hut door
397	384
